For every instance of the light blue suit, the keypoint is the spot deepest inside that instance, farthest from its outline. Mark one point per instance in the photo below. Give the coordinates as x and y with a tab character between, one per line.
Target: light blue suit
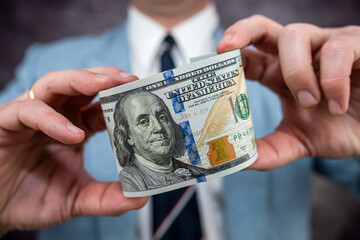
258	205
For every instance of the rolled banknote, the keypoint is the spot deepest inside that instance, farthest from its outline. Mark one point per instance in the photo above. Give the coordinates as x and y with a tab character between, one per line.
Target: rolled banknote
180	127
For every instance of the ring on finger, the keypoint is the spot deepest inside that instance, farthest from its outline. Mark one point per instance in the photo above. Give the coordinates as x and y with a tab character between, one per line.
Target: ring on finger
31	93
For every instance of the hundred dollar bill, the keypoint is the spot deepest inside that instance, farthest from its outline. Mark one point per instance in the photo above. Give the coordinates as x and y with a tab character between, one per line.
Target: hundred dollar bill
180	127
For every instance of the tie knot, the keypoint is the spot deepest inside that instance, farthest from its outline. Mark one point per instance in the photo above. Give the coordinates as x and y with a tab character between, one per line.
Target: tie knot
166	59
169	42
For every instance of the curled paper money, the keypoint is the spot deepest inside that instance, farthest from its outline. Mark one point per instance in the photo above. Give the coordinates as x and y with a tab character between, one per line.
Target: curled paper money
187	125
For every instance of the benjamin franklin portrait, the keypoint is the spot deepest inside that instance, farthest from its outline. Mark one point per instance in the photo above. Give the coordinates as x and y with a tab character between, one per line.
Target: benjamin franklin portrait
147	142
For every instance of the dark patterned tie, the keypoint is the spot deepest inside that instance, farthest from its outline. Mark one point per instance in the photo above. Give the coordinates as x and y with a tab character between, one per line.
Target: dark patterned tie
175	213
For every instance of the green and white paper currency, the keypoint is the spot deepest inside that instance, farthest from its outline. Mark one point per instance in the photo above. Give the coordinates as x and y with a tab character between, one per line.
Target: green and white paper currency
186	125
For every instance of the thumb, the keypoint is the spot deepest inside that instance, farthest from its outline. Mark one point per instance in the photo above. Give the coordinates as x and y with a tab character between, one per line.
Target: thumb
277	149
104	199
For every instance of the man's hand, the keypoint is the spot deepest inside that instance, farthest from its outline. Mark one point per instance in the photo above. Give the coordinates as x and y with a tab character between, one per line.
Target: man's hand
316	74
43	181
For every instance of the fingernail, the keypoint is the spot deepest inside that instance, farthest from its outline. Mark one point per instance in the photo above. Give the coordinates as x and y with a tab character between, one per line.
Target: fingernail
75	130
334	107
227	38
305	98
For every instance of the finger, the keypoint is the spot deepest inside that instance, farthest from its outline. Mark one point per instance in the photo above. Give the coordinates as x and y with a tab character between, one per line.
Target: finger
296	45
76	103
111	71
35	114
264	68
337	59
76	82
93	118
276	150
83	100
255	64
257	30
101	199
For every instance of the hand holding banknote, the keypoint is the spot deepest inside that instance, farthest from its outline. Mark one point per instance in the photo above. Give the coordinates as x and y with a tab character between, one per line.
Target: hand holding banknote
43	182
316	73
42	135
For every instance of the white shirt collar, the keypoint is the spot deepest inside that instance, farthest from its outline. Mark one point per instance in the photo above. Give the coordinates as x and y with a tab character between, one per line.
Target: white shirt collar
193	37
145	37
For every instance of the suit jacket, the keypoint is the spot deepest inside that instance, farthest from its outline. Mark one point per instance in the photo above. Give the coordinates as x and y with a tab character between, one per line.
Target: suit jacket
257	205
137	177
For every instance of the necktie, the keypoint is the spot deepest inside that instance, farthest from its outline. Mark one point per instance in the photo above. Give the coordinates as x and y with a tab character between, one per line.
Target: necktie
175	213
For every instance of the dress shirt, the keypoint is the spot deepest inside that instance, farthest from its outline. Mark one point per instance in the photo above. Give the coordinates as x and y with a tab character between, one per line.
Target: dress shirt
193	37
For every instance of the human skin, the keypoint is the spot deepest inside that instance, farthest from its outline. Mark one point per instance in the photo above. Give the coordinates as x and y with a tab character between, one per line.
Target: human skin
43	181
170	12
316	74
314	71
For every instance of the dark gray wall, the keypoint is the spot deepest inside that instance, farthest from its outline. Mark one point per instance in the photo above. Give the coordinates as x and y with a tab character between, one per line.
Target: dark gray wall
324	13
23	22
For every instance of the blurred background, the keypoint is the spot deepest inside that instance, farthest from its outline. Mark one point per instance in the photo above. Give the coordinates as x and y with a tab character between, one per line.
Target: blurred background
336	212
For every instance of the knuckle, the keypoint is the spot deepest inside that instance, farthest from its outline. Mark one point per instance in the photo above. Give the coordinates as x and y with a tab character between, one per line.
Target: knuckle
30	103
84	82
107	69
48	76
294	73
115	70
85	74
294	29
258	17
87	91
50	115
333	46
28	106
332	81
252	18
351	29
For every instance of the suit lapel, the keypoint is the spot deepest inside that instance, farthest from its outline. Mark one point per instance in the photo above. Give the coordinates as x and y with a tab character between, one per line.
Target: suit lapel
114	50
